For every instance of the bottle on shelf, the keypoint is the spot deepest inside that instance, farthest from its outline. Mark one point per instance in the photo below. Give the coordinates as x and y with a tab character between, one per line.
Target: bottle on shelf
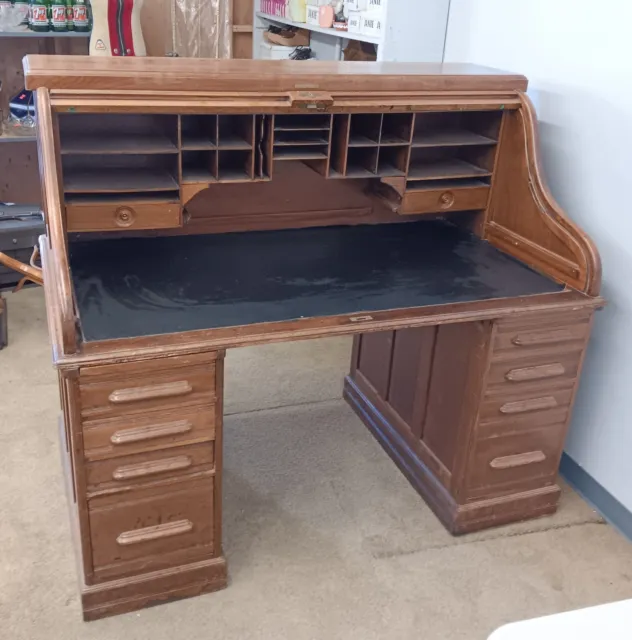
58	15
81	16
70	23
40	16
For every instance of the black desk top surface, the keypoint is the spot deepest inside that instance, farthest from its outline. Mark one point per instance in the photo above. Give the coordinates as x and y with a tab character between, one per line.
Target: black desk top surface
138	287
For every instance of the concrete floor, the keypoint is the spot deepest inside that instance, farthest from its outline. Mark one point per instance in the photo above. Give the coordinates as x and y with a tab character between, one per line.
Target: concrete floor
324	537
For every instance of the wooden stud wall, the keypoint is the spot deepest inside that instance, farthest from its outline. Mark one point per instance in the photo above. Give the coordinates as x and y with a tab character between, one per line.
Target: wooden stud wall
243	11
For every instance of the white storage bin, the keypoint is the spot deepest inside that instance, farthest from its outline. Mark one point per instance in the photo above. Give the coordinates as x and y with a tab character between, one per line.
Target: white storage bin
377	6
275	51
372	25
312	15
354	24
356	5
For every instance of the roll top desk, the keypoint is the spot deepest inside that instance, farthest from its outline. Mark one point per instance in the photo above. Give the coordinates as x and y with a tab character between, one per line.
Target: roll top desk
197	205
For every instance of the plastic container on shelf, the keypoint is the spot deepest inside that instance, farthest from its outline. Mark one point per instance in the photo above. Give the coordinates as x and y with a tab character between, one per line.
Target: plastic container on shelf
354	23
312	15
297	10
13	17
326	16
275	51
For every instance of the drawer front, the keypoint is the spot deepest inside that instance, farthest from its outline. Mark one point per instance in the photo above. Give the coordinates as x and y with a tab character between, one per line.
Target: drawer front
533	372
521	337
438	200
504	414
121	216
128	390
127	472
141	433
516	463
141	534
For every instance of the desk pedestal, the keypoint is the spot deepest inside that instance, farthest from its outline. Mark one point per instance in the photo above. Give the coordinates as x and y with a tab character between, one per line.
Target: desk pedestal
475	414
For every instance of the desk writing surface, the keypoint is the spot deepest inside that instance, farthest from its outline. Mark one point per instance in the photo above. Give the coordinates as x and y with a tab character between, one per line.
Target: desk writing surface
137	287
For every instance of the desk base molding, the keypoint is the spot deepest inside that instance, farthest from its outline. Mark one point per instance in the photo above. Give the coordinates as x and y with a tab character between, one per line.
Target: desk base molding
158	587
457	518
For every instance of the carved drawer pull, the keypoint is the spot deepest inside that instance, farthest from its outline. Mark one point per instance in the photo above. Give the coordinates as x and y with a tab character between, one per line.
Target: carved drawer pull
543	337
124	217
148	534
133	471
534	404
447	200
151	432
519	460
153	392
536	373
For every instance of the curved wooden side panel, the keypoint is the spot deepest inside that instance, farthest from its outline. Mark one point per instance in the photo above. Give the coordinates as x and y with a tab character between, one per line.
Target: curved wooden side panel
59	291
523	218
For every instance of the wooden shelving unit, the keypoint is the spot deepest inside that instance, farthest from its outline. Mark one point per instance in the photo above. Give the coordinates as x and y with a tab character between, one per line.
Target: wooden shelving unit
10	138
19	169
44	34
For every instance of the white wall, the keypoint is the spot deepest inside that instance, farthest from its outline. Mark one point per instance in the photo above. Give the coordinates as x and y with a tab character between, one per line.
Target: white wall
577	55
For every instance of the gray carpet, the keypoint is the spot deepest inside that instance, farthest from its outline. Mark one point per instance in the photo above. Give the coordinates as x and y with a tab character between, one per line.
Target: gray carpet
324	537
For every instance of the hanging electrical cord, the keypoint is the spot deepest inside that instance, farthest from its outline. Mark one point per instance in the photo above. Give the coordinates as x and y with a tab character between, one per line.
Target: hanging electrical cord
301	53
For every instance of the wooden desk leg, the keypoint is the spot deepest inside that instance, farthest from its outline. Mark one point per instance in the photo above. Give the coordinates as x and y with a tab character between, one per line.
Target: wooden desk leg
144	480
475	415
4	323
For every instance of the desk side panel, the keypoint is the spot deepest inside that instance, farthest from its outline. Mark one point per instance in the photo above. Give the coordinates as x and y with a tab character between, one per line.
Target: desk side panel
523	218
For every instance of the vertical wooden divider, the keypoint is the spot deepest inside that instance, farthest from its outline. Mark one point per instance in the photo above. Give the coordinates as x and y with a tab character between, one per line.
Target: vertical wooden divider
252	134
179	144
339	144
270	145
215	158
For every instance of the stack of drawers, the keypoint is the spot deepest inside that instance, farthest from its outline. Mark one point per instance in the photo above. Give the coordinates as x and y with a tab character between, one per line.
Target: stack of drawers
151	433
531	382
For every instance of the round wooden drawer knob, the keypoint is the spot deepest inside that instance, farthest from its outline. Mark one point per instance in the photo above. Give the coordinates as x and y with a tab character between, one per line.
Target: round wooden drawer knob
124	217
446	200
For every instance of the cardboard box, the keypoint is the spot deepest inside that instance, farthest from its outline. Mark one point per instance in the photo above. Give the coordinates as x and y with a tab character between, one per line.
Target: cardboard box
288	38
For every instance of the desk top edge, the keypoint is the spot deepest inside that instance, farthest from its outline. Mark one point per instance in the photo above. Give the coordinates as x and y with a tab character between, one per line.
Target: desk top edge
64	73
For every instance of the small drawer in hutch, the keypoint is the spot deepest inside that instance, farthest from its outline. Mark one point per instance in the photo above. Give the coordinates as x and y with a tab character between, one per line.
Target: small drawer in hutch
436	199
153	529
122	215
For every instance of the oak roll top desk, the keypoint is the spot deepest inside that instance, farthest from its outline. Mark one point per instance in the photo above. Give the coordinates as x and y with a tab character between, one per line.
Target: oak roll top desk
198	205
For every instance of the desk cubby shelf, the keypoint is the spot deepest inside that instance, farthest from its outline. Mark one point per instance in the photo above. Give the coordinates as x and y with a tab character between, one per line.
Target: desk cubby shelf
171	154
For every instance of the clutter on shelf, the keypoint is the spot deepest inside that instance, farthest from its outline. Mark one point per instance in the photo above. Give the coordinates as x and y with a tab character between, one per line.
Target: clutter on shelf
286	43
41	16
21	119
359	17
